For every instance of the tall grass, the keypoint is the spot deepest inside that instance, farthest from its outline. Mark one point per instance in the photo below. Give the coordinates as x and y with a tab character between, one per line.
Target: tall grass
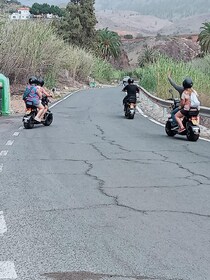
29	48
153	77
103	71
33	48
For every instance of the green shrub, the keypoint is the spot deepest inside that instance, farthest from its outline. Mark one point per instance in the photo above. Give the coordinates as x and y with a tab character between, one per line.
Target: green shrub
103	71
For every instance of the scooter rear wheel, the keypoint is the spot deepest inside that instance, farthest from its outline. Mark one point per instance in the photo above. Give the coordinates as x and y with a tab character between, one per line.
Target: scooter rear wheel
191	136
29	124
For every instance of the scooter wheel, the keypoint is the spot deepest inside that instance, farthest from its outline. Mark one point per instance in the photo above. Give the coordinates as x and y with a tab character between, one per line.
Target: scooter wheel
191	136
168	130
48	120
29	124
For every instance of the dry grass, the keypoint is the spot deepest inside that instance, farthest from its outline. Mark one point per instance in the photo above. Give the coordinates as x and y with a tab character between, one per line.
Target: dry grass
33	48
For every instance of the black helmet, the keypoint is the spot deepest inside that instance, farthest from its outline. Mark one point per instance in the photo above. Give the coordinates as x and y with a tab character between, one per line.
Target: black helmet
130	81
40	82
32	80
187	83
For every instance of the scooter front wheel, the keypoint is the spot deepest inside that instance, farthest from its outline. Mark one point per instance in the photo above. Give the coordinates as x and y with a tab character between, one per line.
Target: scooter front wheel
48	120
168	130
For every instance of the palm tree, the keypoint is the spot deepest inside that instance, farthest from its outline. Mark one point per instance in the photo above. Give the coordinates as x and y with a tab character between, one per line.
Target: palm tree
148	56
204	37
108	44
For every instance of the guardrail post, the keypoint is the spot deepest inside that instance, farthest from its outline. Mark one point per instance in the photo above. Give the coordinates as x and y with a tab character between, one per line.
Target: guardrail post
140	95
165	112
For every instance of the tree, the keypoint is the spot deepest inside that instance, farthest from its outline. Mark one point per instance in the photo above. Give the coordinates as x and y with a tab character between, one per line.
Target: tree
78	23
45	9
204	37
148	56
108	44
55	10
35	9
38	9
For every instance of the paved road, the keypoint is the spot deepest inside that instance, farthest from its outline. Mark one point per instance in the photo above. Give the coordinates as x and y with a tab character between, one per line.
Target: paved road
97	196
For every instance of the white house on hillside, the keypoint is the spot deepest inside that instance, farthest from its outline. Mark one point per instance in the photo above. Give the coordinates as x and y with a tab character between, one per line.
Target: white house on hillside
21	14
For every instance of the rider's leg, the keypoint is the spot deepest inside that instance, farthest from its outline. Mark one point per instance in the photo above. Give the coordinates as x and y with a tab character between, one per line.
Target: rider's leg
40	112
179	118
45	111
173	113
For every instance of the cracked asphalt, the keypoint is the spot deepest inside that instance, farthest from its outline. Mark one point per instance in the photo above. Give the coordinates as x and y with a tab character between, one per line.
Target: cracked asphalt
97	196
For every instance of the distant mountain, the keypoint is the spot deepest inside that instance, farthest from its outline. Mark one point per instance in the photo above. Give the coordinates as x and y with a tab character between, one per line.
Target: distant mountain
129	22
188	25
160	8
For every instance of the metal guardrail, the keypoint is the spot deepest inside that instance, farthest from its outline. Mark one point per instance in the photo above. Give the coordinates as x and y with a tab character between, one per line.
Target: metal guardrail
204	111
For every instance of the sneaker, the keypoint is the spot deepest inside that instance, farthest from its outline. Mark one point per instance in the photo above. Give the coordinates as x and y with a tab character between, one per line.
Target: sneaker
181	130
174	127
37	119
174	124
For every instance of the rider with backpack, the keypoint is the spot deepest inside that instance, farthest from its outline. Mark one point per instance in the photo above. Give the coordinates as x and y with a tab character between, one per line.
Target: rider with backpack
180	89
188	99
32	94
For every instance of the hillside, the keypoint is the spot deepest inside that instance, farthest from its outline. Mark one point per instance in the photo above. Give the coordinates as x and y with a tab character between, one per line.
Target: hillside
183	48
128	22
153	31
188	25
147	17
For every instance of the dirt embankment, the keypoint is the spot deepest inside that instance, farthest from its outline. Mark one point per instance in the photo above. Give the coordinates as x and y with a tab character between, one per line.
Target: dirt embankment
182	47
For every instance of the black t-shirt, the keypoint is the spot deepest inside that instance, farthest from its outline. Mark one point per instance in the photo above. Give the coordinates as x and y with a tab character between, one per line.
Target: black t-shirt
131	90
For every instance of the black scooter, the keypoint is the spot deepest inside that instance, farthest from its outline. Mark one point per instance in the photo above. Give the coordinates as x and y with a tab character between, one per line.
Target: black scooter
130	108
190	122
28	118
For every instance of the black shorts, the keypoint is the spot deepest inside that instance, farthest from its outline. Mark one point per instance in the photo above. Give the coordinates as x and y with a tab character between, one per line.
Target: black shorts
184	112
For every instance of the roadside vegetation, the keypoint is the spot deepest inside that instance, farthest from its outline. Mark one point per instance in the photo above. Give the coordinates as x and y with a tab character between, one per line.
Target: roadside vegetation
108	44
153	69
34	48
153	76
64	47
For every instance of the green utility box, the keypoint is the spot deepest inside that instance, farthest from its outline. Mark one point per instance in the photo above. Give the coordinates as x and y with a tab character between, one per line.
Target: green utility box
92	84
4	95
